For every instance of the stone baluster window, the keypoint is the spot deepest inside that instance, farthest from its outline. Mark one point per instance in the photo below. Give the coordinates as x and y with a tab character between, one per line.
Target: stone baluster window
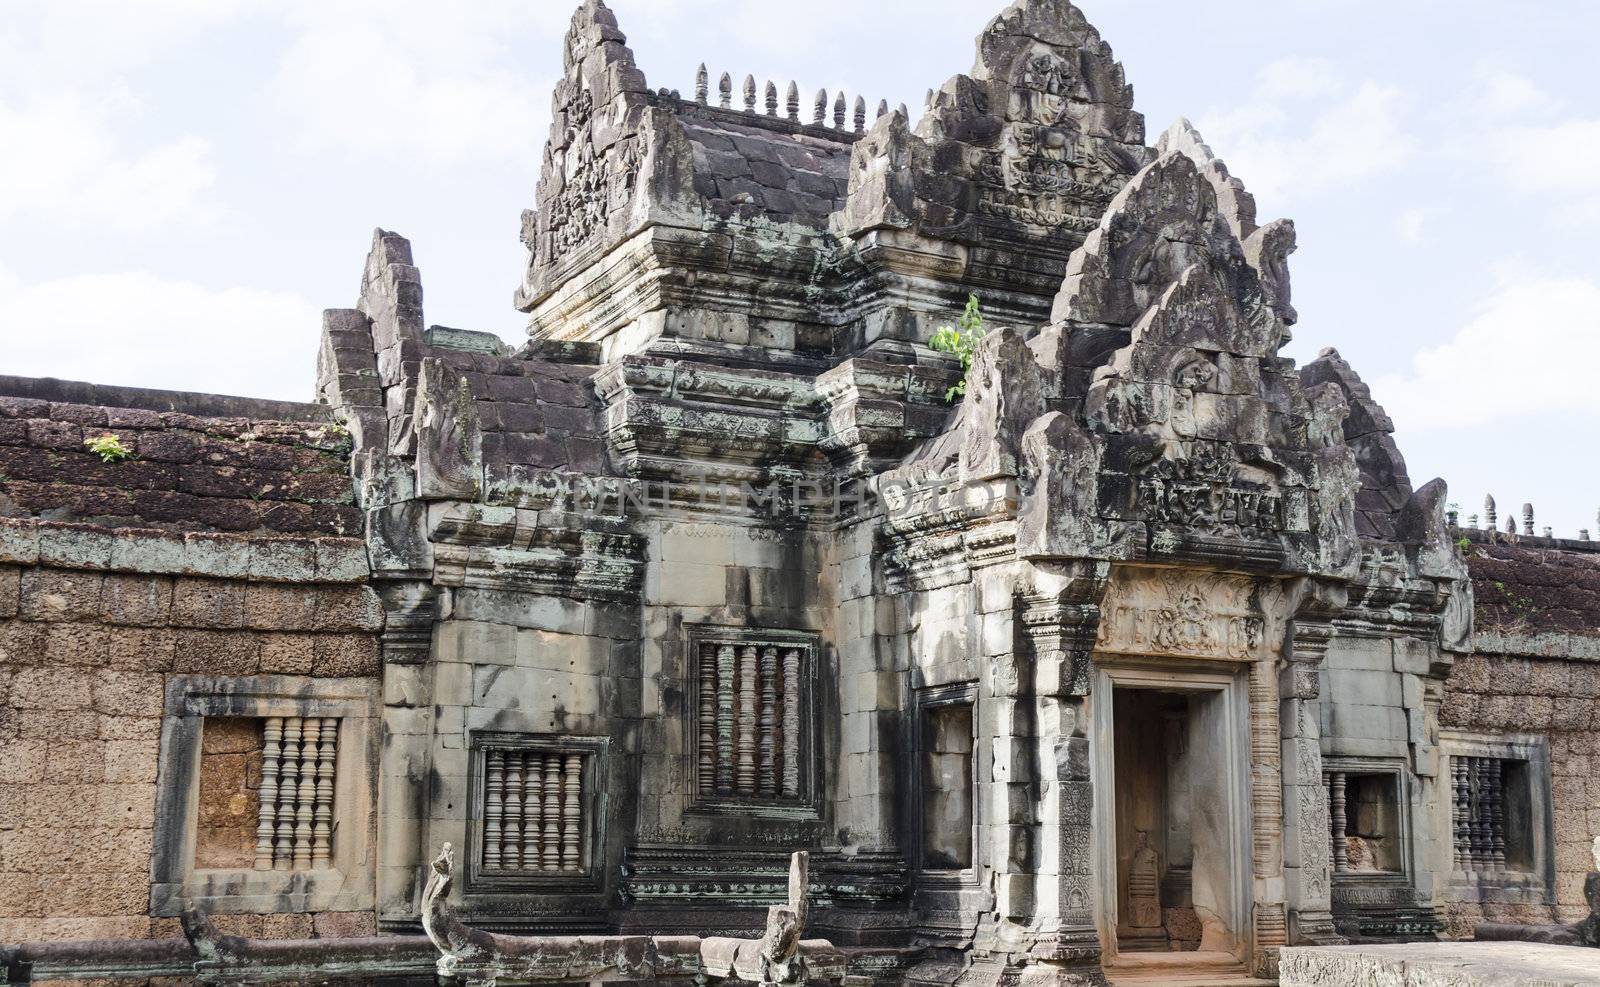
751	723
294	829
536	809
1501	844
265	798
1366	831
1489	815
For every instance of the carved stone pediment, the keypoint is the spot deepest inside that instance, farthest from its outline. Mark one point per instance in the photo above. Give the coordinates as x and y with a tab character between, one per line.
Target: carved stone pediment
1028	148
1184	613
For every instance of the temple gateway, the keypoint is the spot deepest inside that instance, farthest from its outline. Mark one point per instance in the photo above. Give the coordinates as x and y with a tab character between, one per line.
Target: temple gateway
1131	648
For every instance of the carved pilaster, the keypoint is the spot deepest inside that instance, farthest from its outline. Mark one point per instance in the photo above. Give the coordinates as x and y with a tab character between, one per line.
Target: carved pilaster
1060	618
410	608
1308	844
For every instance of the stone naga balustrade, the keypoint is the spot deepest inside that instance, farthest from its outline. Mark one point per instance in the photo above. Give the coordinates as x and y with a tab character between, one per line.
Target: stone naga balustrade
475	957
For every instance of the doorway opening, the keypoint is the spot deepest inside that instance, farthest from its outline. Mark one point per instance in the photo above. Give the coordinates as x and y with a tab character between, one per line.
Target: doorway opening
1176	826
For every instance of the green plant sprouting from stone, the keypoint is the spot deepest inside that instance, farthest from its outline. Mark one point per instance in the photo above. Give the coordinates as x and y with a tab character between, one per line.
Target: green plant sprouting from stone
961	340
109	448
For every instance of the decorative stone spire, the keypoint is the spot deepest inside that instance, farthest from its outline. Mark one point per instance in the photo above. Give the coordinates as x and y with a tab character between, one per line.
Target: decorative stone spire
749	94
861	114
772	99
883	109
725	91
839	111
1527	519
701	84
793	101
820	110
904	112
1511	526
1490	516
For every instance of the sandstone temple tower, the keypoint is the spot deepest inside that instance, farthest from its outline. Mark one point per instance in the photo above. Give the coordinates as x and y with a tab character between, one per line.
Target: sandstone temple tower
1145	646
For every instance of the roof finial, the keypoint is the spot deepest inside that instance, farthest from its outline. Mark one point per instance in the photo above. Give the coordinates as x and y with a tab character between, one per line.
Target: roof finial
793	101
1583	534
839	111
883	109
861	114
1489	513
1511	526
1527	519
1472	522
749	94
904	112
772	99
725	91
701	81
820	114
1549	532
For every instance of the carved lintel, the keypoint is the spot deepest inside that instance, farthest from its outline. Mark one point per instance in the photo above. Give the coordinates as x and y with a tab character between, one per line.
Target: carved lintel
1183	614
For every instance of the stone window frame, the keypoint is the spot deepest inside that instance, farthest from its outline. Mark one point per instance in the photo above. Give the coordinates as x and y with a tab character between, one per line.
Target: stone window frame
345	886
924	699
594	751
807	805
1396	768
1535	885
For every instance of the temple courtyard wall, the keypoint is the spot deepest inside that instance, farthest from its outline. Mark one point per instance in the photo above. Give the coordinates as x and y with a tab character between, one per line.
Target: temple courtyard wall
218	567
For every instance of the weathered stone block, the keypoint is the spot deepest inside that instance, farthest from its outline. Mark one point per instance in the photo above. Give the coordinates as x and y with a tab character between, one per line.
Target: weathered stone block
143	550
77	644
217	652
345	656
341	560
22	642
75	546
144	601
283	559
286	654
127	693
208	603
141	649
343	925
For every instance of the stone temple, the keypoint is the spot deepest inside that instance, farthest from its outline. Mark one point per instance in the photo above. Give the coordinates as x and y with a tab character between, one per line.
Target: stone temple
1142	654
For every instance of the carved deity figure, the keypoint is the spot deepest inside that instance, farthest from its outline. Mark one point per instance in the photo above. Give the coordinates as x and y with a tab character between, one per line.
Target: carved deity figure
1359	853
1144	886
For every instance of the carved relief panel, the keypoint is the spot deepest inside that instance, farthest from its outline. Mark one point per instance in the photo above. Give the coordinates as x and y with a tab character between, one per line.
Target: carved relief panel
1182	613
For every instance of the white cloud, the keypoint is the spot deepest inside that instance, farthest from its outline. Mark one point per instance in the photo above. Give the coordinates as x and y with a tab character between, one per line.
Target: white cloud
1509	94
1412	225
1299	78
1305	131
1556	160
65	164
138	329
1531	350
445	84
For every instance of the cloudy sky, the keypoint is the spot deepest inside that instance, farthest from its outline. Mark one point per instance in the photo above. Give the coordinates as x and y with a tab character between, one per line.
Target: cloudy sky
184	184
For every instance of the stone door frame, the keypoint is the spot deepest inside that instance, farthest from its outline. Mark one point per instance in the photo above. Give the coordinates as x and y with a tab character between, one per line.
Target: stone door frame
1233	687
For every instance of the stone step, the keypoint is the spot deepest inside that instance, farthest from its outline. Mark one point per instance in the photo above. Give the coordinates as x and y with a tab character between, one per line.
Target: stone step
1181	969
1184	978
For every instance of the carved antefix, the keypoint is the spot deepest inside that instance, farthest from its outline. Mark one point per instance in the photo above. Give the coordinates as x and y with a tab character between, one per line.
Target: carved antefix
1181	613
